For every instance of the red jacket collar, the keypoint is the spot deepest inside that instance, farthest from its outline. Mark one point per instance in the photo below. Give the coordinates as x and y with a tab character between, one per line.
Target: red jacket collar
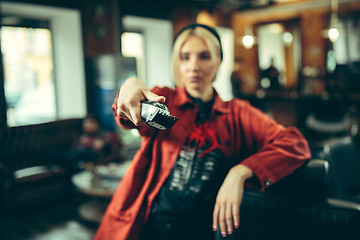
182	98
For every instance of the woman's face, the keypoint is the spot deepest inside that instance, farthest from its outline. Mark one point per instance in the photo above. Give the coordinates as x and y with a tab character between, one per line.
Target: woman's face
196	68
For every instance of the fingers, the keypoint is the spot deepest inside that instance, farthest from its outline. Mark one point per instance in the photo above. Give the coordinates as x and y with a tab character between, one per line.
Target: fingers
229	219
216	217
135	114
236	215
226	216
125	110
154	97
222	220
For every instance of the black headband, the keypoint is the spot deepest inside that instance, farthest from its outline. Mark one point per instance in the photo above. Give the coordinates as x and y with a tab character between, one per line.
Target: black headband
210	29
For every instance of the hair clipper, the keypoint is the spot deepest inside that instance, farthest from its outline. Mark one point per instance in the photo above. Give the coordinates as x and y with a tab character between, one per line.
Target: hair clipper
157	115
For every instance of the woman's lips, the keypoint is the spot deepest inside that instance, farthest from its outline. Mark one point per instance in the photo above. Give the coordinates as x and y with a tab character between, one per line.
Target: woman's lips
194	79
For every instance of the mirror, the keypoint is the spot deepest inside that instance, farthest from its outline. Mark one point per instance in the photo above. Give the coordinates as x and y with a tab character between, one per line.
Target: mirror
279	54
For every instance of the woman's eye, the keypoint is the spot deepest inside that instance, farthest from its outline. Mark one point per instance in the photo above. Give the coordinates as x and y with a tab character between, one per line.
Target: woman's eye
205	56
184	57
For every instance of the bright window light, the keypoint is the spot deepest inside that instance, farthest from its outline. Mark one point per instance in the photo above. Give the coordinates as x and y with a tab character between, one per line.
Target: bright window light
28	71
132	44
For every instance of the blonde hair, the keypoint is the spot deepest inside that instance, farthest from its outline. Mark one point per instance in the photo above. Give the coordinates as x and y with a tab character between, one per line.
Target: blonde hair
211	41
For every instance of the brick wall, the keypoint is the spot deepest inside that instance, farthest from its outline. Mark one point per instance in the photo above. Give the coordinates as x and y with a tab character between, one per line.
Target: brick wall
313	43
249	57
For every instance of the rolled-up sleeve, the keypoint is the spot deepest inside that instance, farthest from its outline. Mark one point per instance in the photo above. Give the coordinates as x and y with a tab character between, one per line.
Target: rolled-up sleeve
279	150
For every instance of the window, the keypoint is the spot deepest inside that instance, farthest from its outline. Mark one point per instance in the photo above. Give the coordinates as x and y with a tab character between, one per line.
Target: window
132	46
53	35
156	38
28	73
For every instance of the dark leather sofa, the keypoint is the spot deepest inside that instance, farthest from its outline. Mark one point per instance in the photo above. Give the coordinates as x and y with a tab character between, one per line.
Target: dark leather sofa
318	201
29	176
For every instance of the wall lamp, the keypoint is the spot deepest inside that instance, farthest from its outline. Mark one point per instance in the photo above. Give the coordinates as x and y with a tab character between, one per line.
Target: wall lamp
248	40
333	32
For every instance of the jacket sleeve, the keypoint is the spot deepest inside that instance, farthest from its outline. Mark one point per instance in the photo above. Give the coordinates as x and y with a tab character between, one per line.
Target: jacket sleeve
276	151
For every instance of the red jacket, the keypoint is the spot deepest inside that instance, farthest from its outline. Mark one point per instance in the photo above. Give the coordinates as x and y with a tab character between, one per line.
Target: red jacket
247	136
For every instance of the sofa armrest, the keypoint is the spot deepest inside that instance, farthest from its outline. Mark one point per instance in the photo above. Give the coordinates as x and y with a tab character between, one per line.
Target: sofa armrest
265	215
309	182
297	208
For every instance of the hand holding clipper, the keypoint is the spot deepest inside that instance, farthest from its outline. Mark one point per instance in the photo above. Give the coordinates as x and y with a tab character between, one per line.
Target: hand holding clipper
157	115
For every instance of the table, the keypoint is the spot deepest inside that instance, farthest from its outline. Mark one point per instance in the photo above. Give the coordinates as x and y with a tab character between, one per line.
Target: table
99	184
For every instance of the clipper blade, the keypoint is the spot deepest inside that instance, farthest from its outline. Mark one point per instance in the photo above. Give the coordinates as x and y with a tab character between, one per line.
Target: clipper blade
157	115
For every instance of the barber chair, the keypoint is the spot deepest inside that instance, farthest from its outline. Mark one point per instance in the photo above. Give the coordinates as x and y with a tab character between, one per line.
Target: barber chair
344	158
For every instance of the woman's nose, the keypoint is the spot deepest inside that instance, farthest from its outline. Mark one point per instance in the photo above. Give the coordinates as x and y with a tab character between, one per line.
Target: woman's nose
194	63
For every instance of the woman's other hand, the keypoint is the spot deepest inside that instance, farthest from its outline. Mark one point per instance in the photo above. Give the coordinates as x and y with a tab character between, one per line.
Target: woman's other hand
131	93
227	207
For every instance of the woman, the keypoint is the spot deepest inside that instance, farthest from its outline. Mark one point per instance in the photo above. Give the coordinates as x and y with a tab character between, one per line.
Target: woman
186	182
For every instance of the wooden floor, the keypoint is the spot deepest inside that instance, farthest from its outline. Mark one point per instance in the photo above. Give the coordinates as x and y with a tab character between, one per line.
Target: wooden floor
59	221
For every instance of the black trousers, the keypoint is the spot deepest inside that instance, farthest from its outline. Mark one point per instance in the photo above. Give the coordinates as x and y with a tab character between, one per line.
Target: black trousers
161	227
